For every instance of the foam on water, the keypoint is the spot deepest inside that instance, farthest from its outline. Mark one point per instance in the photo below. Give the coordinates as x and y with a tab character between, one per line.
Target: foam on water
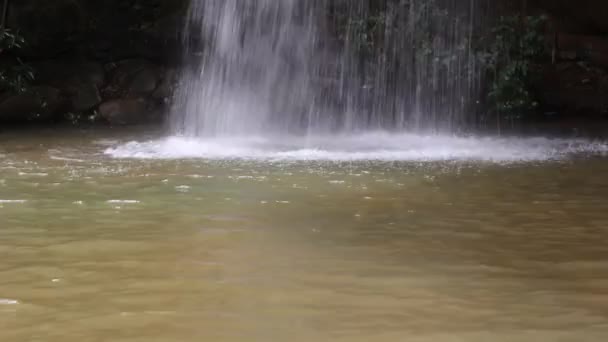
123	202
4	301
365	147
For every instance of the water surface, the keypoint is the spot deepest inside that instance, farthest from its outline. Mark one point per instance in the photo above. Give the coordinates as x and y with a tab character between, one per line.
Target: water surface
300	243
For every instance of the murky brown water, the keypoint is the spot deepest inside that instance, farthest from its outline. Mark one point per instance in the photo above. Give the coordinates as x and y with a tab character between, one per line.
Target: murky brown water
100	249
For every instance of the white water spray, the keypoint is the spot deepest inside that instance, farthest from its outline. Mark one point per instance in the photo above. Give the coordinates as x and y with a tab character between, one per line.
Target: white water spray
255	68
289	67
273	80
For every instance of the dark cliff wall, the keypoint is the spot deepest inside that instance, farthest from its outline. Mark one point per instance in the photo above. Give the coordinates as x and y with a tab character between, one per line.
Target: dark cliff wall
105	30
577	17
575	80
110	60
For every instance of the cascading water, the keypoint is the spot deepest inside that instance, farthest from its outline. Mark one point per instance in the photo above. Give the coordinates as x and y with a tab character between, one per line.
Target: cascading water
255	70
269	66
420	72
335	80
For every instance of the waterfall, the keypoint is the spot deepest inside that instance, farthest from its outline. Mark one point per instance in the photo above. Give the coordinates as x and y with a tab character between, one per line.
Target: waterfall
262	67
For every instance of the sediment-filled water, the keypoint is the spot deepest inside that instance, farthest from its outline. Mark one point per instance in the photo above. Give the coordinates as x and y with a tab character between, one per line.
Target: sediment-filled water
102	239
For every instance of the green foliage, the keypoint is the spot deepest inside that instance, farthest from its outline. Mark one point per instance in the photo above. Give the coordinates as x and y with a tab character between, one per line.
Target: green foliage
15	75
516	43
510	91
364	32
10	40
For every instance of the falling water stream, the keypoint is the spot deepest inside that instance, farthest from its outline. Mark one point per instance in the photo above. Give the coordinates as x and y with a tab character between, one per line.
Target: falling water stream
274	67
292	79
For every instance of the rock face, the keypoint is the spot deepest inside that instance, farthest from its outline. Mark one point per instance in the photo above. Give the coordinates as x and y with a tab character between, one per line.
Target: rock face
579	17
37	104
575	82
125	92
95	57
133	78
124	112
574	87
102	30
85	97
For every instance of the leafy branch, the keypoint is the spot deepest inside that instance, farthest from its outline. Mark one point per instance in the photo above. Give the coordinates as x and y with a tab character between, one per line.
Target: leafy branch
516	43
16	75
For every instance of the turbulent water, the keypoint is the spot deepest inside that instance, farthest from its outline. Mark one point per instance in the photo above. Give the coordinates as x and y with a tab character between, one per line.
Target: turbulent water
295	66
255	70
273	80
271	247
371	147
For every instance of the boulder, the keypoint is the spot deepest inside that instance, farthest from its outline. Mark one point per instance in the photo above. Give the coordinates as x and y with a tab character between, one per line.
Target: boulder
78	81
124	111
63	73
165	88
85	97
132	78
36	104
144	82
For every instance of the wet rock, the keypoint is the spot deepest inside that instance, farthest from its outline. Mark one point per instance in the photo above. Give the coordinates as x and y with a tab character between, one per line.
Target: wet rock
78	81
592	48
85	97
132	79
124	111
41	103
144	82
156	114
573	87
65	73
165	88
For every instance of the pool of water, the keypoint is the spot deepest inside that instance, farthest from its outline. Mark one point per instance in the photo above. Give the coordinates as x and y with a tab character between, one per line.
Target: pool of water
126	236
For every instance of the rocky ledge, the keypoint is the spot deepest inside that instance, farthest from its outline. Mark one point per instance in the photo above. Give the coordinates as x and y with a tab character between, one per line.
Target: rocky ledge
108	61
130	91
